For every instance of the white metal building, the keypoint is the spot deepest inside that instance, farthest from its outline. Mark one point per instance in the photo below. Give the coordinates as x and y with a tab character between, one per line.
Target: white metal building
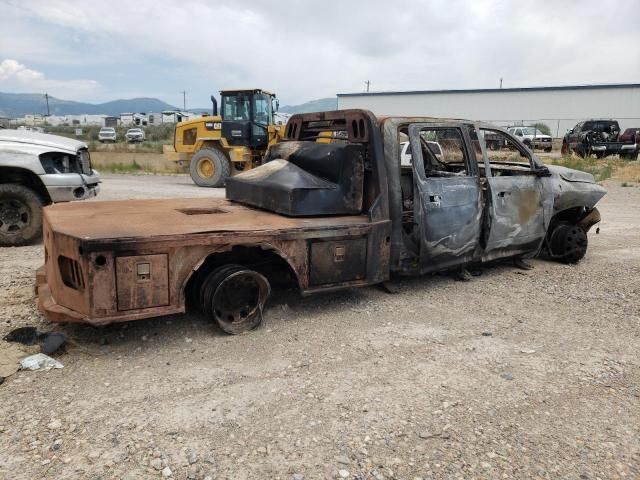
560	108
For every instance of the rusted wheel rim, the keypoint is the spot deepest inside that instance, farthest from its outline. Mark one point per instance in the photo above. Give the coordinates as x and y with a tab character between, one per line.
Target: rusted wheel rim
206	168
240	297
14	216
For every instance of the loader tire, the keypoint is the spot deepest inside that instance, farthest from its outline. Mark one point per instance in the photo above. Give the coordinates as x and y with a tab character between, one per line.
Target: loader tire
20	215
210	168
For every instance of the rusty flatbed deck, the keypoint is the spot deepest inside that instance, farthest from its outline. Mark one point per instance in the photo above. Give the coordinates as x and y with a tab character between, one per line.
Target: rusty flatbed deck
135	219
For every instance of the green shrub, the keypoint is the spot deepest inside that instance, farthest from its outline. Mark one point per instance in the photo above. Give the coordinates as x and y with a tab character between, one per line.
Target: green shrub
543	127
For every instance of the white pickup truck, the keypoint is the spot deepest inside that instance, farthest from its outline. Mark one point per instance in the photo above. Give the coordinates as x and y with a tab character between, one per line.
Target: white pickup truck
532	137
36	170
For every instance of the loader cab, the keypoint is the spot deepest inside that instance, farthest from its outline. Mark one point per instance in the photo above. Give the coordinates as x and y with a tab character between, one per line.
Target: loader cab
246	117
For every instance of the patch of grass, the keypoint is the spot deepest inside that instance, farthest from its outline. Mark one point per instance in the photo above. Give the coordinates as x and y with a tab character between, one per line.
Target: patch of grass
124	147
628	172
121	168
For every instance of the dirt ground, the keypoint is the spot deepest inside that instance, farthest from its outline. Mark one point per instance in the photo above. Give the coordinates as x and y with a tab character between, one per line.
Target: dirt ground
516	374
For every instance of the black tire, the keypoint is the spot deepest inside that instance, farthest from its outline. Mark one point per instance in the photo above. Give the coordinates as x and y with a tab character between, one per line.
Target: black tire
547	149
494	146
194	287
568	243
210	168
20	215
234	297
527	144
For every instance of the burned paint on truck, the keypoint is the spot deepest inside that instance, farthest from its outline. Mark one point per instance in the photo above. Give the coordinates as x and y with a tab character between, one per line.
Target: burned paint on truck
324	216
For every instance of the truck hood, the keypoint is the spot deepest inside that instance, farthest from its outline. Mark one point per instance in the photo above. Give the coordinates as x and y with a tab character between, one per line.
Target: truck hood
41	139
571	175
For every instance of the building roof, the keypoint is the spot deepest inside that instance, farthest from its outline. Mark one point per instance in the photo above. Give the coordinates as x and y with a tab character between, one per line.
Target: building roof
493	90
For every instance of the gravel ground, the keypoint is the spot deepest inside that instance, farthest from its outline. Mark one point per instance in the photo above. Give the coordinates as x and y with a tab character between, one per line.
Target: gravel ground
513	375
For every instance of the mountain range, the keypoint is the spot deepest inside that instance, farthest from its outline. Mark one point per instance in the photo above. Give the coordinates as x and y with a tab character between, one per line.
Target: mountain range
20	104
15	105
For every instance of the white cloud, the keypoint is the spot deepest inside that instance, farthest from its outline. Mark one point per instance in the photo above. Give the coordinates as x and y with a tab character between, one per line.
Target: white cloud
17	77
10	69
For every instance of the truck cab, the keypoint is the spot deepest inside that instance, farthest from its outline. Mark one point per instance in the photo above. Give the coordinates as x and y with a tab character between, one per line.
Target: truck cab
246	117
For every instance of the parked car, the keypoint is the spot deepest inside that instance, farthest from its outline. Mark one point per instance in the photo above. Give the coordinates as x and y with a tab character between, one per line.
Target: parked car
599	137
107	134
630	135
323	216
532	137
134	135
38	169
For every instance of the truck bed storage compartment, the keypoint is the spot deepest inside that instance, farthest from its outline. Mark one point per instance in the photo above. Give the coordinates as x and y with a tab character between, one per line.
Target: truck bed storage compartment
337	261
304	179
142	281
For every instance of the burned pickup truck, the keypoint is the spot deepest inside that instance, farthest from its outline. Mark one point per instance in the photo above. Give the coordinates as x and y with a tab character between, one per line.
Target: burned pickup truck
325	216
600	138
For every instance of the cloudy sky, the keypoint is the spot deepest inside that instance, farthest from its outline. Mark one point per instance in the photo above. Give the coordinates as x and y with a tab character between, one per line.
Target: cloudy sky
96	51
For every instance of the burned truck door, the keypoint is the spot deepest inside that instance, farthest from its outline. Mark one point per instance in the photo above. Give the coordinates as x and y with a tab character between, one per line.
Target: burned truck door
447	196
515	211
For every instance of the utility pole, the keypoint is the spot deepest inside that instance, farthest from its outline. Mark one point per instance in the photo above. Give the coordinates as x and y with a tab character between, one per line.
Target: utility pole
46	97
184	100
500	82
367	83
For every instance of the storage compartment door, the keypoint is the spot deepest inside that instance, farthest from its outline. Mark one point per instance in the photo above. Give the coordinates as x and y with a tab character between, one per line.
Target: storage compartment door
142	281
337	261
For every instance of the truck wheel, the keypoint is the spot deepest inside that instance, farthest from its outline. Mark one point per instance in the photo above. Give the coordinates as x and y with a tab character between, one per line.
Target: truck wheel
568	243
210	168
548	149
234	296
20	215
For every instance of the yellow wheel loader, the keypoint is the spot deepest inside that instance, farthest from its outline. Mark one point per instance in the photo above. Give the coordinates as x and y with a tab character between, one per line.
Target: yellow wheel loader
218	146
